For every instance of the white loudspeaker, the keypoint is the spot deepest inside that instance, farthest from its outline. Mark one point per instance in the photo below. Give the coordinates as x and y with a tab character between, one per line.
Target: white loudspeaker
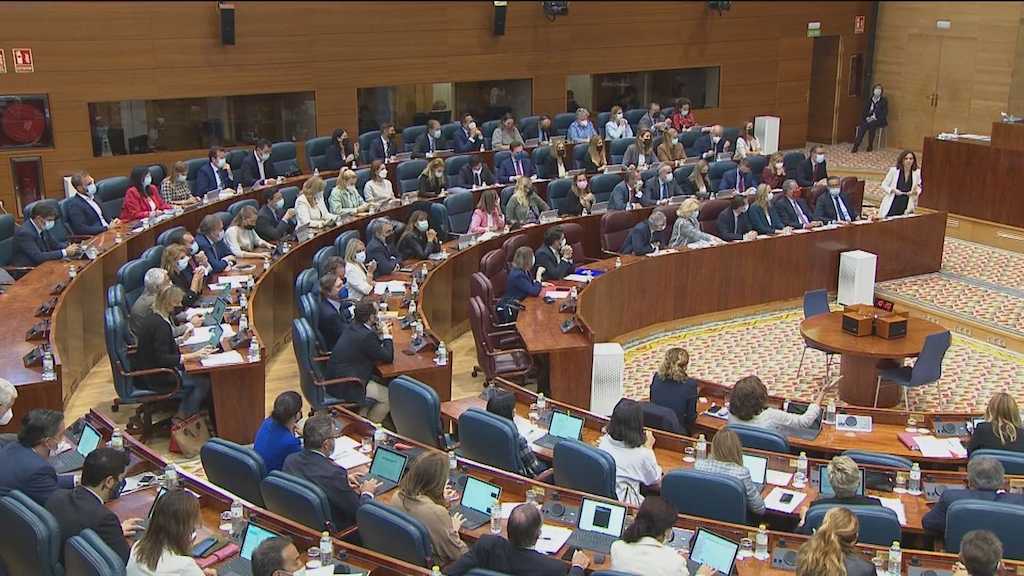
766	130
856	277
606	377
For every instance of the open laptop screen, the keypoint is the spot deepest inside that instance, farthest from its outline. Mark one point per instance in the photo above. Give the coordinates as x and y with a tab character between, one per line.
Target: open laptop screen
601	517
714	550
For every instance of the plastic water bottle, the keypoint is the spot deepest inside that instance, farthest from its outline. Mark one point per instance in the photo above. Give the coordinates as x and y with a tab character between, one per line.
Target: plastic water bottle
701	448
442	354
436	571
423	272
496	517
573	293
830	412
48	371
414	288
379	437
243	301
117	440
895	559
542	402
761	543
237	519
453	461
412	307
914	486
800	478
316	172
618	262
254	351
72	271
243	322
170	477
326	549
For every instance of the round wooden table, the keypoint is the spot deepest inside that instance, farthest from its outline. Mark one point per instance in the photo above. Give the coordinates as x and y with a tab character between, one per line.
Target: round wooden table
864	356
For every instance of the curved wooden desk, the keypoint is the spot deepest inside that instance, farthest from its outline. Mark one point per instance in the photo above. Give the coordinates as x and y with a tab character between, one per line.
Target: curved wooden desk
864	356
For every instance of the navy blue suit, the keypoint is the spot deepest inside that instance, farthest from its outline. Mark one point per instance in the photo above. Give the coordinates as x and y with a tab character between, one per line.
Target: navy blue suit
82	219
355	355
807	174
27	471
639	240
381	253
215	252
464	144
332	479
519	285
731	180
730	226
206	181
825	208
33	247
507	170
679	397
621	197
704	145
250	173
789	216
935	519
379	152
332	321
757	220
655	190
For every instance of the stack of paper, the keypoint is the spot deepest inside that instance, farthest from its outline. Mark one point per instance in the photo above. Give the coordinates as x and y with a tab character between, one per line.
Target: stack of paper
552	538
508	507
197	312
896	505
556	294
223	359
347	455
774	500
940	447
202	334
579	278
394	287
777	478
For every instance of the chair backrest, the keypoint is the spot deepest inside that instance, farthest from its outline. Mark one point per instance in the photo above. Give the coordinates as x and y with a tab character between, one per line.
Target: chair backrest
876	459
558	192
815	302
615	227
307	281
131	275
722	497
560	123
661	418
453	165
791	161
1013	462
602	119
574	238
478	320
168	236
494	267
480	287
235	468
490	439
485	572
540	156
730	134
688	138
633	116
409	136
284	159
617	148
584	468
928	367
603	184
291	194
506	193
528	126
309	308
316	152
488	130
297	499
448	130
460	211
365	141
513	243
158	173
236	207
500	156
236	157
394	533
60	230
708	214
31	542
408	173
760	438
193	165
115	334
86	554
757	163
7	229
878	525
322	255
717	170
1004	521
110	195
341	242
116	298
362	177
225	218
304	345
579	152
416	410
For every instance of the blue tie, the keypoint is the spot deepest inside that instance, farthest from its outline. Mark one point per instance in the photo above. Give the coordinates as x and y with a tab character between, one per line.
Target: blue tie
664	190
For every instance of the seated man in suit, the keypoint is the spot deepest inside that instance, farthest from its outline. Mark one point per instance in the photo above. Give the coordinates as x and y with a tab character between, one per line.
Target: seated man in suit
274	222
33	243
844	476
813	171
732	222
379	248
834	206
469	138
645	237
476	174
739	179
711	144
26	465
518	164
83	507
792	209
984	482
315	465
360	347
660	190
554	257
214	175
544	129
383	146
211	242
276	556
85	217
981	554
335	308
516	555
256	168
430	141
629	193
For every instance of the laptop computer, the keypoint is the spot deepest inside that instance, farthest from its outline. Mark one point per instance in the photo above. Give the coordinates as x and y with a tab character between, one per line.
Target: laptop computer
614	168
563	427
758	468
145	521
598	525
216	316
713	550
548	216
478	497
599	208
825	487
242	566
71	460
387	468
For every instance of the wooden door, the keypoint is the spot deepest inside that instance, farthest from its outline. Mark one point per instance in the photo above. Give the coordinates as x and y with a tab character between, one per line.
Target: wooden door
821	110
916	110
954	87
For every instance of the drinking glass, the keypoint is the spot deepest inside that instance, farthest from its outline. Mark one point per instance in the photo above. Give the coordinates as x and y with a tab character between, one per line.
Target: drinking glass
746	548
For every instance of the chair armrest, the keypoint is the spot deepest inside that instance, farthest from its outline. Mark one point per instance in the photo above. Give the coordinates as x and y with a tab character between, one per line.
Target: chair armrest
19	268
152	371
333	381
504	333
610	253
508	352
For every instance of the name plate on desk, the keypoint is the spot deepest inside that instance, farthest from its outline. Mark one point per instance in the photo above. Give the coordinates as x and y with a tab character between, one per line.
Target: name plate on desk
851	423
40	330
34	357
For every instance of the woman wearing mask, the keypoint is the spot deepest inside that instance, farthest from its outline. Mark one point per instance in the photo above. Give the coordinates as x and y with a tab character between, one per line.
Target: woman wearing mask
342	151
832	549
617	126
487	217
142	199
901	186
418	241
358	273
242	239
424	494
698	183
175	188
378	189
558	162
774	173
580	199
506	133
641	153
432	182
682	118
594	160
875	116
747	143
310	209
525	205
687	230
670	150
761	215
166	545
175	260
345	199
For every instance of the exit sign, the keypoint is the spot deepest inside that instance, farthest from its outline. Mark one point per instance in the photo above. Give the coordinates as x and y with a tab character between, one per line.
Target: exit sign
813	29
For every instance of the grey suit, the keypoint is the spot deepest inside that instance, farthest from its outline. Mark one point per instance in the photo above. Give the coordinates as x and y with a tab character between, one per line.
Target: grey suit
687	231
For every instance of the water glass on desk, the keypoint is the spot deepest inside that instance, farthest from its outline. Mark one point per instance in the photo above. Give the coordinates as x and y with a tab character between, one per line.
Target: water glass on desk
534	415
313	558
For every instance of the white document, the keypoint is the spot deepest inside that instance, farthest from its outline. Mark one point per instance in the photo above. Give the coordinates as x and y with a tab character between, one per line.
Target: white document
776	478
202	334
557	294
527	430
578	278
197	312
222	359
657	253
956	448
327	571
552	538
344	443
940	447
774	500
235	281
349	459
394	286
507	507
896	505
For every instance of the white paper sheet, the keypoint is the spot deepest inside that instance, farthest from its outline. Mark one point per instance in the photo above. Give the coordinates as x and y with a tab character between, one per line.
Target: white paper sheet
349	459
774	500
939	447
202	334
557	294
776	478
222	359
552	538
327	571
527	430
197	311
344	443
578	278
394	286
657	253
507	507
236	281
896	505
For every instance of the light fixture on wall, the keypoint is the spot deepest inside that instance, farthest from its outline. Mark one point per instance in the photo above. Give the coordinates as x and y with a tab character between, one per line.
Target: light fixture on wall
720	6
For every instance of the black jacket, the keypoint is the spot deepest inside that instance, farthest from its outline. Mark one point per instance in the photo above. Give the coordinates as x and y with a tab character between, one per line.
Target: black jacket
78	509
554	267
984	437
332	321
378	151
332	479
807	175
413	245
784	208
640	240
730	226
355	355
183	280
333	158
430	188
468	179
385	257
33	247
881	111
270	226
679	397
157	349
496	553
422	146
550	167
250	172
825	208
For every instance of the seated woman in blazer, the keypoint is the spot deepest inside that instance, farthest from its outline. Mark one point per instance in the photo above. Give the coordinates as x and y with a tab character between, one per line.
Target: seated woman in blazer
525	205
641	152
342	151
1002	428
358	273
774	172
727	460
418	240
594	160
580	200
487	217
522	282
698	184
762	216
687	230
422	494
558	162
553	260
901	186
432	182
242	239
142	199
833	548
670	150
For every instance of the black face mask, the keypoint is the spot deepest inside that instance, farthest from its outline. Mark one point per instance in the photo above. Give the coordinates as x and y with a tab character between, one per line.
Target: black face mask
116	492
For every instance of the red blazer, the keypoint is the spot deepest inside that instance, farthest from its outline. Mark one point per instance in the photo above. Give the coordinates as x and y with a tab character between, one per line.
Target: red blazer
136	207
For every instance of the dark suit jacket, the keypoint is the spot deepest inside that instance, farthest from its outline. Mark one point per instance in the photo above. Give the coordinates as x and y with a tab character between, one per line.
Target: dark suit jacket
414	246
32	247
639	240
427	188
507	170
377	151
807	175
679	397
984	437
550	167
554	268
332	479
825	209
652	191
385	257
935	519
206	181
789	216
704	144
215	252
881	111
78	509
464	144
82	219
27	471
621	196
250	173
690	190
333	158
183	280
355	355
157	349
270	226
496	553
731	178
332	321
730	226
422	146
468	179
757	220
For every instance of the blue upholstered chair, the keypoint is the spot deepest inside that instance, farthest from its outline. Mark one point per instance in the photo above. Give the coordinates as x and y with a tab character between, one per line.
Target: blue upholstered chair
312	380
298	500
365	141
815	304
558	192
878	525
1013	462
394	533
760	438
235	468
110	195
584	468
876	459
284	159
31	542
322	255
453	165
236	207
560	123
409	174
617	149
718	169
603	184
490	439
661	418
86	554
460	208
171	235
341	242
307	281
316	153
926	369
721	497
1003	520
416	411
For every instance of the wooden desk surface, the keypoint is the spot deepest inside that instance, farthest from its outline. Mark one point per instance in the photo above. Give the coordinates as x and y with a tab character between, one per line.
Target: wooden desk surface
826	331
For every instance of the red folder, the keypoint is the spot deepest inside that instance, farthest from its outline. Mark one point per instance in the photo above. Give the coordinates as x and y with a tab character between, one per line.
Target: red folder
218	556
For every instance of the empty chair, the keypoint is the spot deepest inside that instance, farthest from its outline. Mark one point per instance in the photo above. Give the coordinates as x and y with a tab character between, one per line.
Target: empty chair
312	381
86	554
926	369
720	497
760	438
688	138
539	156
307	281
815	303
603	184
717	170
617	148
297	499
574	238
560	123
171	235
283	158
1013	462
453	165
31	542
1002	520
528	126
490	439
661	418
757	163
236	207
131	275
416	411
365	140
460	211
878	525
236	157
493	265
448	130
410	134
309	308
708	215
116	299
235	468
487	128
633	116
494	356
558	193
110	195
876	459
584	468
790	162
408	173
394	533
316	152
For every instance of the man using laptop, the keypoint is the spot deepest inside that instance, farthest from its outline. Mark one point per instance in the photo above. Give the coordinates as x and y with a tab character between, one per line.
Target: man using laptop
276	557
516	555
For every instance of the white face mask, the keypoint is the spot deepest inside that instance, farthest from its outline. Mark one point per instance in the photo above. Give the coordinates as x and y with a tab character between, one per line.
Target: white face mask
383	173
181	178
685	110
438	173
221	162
878	92
91	189
715	139
7	417
584	122
819	158
668	177
360	257
472	125
833	191
182	263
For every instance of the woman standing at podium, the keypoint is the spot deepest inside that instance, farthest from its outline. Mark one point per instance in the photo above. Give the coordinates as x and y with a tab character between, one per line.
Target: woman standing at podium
901	186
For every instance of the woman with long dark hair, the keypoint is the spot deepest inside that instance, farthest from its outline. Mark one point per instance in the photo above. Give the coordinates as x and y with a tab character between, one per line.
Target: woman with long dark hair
142	198
631	447
642	549
166	545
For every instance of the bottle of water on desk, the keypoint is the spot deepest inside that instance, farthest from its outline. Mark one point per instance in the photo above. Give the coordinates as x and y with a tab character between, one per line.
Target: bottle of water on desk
243	323
48	372
436	571
117	440
254	350
542	402
442	354
379	437
326	549
453	461
701	448
243	301
170	479
761	543
895	559
496	517
830	412
914	485
414	288
800	478
618	262
237	519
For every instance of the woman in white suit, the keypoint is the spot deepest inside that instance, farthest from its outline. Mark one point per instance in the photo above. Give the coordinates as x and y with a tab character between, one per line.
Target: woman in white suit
901	186
310	209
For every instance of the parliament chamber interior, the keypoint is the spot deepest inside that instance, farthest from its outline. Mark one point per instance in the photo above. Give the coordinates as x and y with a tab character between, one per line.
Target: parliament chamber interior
521	288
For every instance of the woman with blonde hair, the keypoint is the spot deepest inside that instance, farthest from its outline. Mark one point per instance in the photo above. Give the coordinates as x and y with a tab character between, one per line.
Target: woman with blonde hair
310	209
617	126
670	150
432	182
727	459
698	184
761	214
832	549
422	494
525	205
687	230
558	161
1002	429
358	273
774	172
594	160
673	388
177	263
345	199
241	237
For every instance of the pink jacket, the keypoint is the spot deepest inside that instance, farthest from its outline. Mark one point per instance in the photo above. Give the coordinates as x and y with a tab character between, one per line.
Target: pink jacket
479	223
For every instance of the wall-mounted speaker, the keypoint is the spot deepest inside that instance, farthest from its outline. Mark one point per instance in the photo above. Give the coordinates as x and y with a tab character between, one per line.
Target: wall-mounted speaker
500	13
227	23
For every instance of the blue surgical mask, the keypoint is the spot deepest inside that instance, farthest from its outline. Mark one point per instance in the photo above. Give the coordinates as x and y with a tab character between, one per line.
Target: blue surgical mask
182	263
91	189
343	293
422	225
116	492
49	224
195	247
360	257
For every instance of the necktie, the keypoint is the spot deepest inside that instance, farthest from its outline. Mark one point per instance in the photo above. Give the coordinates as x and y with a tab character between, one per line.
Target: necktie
740	185
799	213
259	163
841	208
431	138
519	169
735	223
664	190
479	180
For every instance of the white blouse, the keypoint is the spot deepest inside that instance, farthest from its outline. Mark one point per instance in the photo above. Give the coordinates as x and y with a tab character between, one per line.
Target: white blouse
633	466
170	564
359	283
378	192
311	215
240	240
